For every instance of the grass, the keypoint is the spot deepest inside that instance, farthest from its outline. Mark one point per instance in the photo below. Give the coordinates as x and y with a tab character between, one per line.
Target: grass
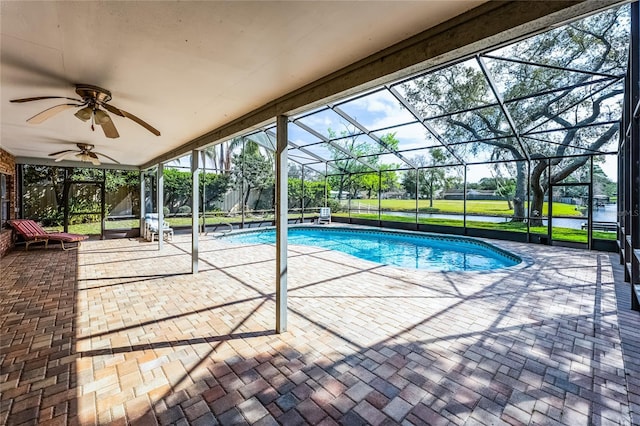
560	234
477	207
93	228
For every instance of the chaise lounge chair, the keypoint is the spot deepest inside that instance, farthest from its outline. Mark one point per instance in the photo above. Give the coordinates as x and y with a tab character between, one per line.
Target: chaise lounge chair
31	232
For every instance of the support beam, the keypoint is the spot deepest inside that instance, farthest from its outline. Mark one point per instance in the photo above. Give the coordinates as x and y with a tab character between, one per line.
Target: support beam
160	203
195	208
326	182
282	223
35	161
379	196
634	153
418	196
301	192
143	206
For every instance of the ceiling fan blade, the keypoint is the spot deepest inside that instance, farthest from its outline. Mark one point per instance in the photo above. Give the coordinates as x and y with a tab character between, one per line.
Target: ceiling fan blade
65	155
93	158
53	154
38	98
109	128
137	120
106	156
112	109
49	112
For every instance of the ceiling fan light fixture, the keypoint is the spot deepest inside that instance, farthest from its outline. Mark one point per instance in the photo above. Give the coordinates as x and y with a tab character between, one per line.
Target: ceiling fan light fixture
84	114
83	156
101	117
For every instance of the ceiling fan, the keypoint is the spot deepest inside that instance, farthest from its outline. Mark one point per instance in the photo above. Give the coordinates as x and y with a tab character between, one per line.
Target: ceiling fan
83	153
92	106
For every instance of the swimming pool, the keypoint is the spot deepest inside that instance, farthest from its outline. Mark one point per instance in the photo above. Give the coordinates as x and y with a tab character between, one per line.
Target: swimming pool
404	249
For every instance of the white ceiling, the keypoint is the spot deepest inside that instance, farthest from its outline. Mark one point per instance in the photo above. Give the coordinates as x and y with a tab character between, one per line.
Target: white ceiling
184	67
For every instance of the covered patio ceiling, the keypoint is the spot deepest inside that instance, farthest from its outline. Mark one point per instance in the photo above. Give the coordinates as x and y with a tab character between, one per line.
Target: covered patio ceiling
183	67
201	72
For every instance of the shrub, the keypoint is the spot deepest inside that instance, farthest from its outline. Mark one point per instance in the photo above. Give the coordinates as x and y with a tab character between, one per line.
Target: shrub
184	209
50	216
335	205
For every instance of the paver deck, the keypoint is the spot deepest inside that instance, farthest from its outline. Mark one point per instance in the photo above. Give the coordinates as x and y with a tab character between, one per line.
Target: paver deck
121	333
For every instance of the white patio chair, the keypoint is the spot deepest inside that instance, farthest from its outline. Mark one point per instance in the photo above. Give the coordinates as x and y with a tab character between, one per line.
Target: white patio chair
325	215
151	228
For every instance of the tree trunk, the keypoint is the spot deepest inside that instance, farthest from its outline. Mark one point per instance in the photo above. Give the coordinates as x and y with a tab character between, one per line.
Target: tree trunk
537	193
255	205
246	196
520	196
53	175
537	204
341	187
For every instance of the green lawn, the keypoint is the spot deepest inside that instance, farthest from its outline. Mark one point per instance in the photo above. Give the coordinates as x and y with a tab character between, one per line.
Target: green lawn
564	234
479	207
93	228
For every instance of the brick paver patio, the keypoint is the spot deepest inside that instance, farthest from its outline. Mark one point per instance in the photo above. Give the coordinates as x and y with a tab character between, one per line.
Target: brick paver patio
121	333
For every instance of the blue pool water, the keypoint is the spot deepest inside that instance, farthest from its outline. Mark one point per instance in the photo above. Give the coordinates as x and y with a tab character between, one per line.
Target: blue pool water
432	252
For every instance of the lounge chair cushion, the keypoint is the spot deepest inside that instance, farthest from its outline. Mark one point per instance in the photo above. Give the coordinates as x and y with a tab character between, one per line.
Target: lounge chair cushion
66	237
32	233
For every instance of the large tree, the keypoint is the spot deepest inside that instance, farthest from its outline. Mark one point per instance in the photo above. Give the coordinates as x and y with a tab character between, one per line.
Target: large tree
561	92
430	179
357	159
253	167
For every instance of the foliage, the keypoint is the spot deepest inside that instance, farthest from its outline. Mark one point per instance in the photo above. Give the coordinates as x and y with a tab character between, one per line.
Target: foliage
431	179
602	185
213	186
358	167
335	205
254	169
313	193
41	182
569	111
178	189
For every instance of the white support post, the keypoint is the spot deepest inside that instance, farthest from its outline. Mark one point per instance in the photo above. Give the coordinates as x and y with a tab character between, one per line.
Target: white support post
143	206
282	223
195	209
160	204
